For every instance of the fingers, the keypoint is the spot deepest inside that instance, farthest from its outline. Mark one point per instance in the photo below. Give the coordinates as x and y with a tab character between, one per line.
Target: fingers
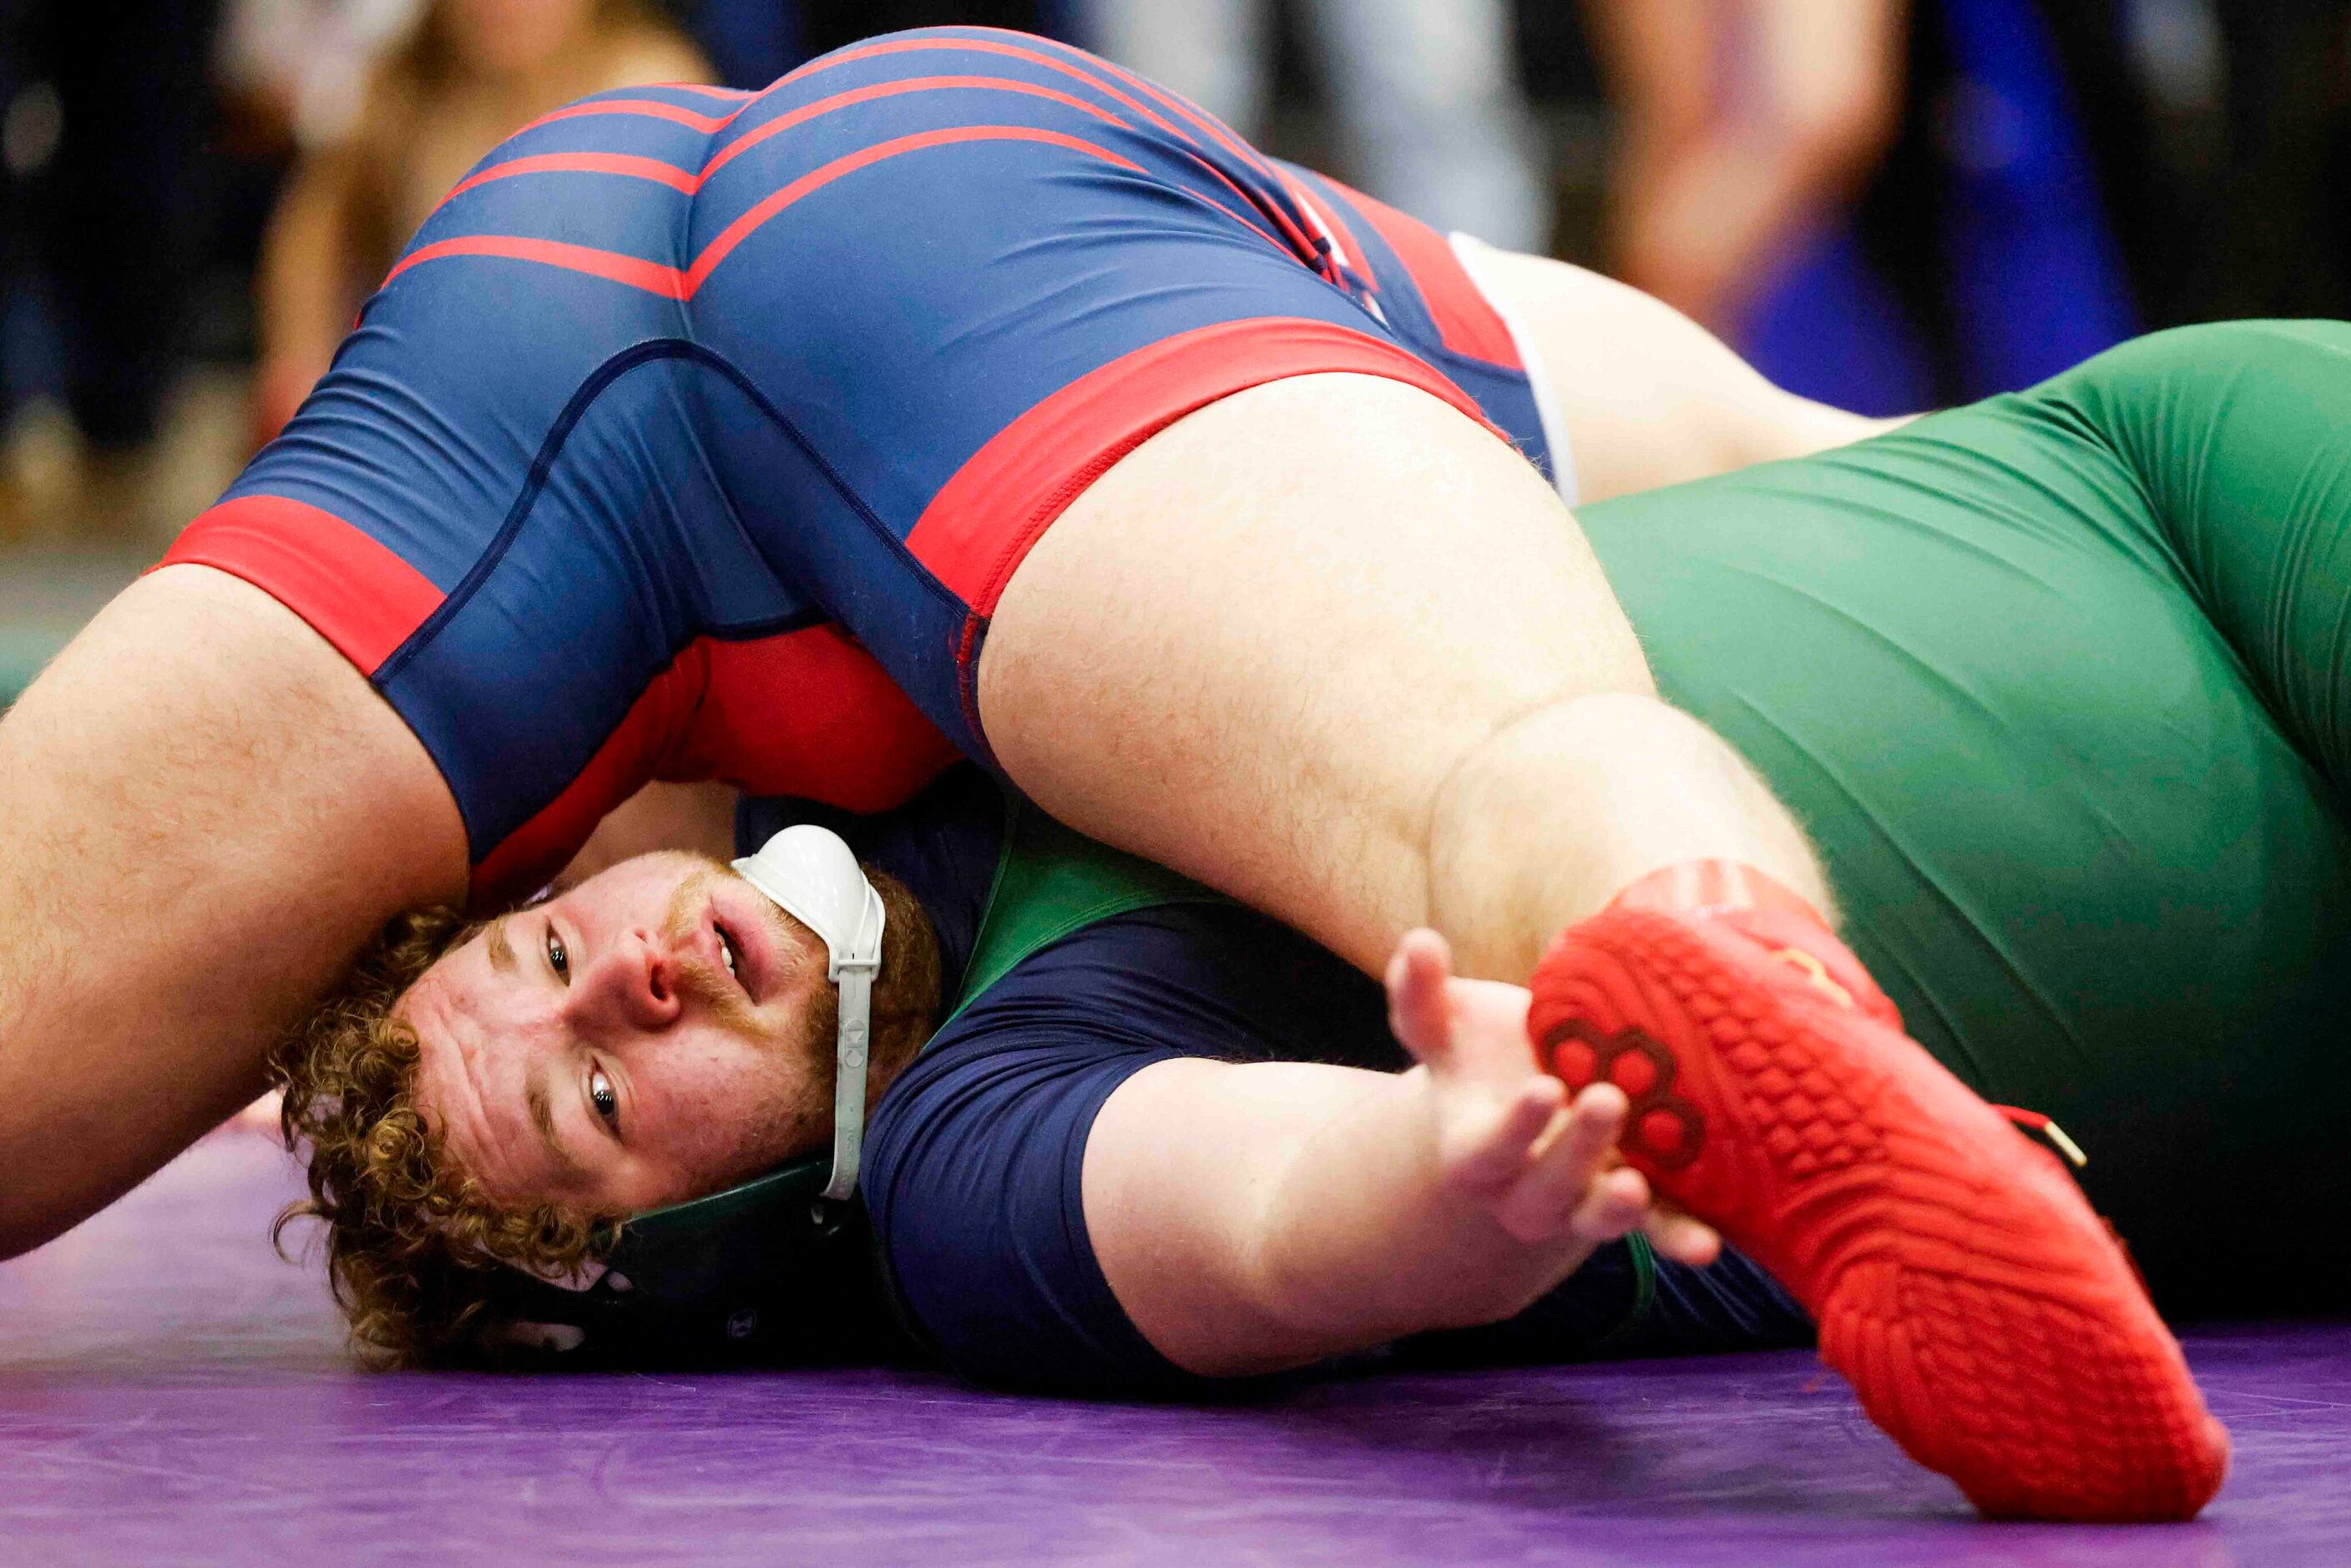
1679	1236
1489	1155
1560	1180
1417	1011
1621	1202
1615	1202
1508	1136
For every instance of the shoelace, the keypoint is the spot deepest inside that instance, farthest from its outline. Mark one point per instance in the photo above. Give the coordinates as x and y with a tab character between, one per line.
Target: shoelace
2034	1121
1814	971
2031	1121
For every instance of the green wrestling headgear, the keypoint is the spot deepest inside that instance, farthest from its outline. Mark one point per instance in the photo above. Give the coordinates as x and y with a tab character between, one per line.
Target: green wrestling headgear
779	1267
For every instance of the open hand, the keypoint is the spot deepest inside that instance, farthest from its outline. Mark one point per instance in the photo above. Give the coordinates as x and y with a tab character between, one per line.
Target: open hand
1506	1136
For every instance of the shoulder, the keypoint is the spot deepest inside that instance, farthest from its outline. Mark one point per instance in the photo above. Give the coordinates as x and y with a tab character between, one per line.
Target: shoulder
1193	978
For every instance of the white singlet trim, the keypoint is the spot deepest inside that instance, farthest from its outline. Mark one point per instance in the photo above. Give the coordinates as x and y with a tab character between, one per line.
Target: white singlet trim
1472	252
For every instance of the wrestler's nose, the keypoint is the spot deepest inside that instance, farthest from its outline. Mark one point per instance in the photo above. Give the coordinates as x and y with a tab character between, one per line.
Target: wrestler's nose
632	985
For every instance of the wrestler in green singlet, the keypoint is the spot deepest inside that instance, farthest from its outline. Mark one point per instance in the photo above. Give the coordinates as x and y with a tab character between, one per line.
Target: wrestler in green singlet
2060	684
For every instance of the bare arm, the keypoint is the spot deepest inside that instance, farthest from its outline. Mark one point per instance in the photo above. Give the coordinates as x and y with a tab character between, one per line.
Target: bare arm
206	810
1253	1217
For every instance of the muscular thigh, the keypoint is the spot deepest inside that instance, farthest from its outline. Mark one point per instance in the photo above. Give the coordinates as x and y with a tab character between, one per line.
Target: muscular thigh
1255	647
205	811
1643	396
1299	607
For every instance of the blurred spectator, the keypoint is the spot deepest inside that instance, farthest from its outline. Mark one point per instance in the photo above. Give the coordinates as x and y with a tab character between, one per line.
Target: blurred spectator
300	68
105	114
2283	229
475	71
1885	205
1425	92
1742	122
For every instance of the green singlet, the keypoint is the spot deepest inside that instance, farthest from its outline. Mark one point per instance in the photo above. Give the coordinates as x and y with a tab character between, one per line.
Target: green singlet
2060	684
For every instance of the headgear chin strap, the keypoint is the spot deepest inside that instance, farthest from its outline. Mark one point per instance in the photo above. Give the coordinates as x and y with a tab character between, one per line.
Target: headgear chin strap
813	876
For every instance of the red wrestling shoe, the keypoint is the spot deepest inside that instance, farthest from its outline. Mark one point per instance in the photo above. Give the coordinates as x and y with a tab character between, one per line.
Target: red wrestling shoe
1963	1284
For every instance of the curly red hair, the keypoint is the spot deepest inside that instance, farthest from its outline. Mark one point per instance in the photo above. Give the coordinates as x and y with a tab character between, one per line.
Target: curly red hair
410	1242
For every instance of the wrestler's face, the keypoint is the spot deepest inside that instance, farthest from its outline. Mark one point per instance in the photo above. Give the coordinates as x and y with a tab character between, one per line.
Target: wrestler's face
640	1040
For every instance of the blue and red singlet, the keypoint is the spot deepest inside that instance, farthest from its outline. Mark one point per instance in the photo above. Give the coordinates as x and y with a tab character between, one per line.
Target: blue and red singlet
697	433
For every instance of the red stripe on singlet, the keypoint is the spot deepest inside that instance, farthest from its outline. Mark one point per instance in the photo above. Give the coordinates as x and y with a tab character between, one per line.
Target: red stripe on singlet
736	232
353	591
671	284
1294	239
637	273
625	163
723	94
642	108
986	516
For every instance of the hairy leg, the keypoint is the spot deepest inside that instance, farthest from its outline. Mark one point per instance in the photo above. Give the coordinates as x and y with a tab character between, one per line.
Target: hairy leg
1330	647
204	811
1648	396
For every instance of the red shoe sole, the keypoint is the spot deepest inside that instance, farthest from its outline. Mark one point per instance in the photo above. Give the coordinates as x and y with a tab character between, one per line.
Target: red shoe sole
1987	1318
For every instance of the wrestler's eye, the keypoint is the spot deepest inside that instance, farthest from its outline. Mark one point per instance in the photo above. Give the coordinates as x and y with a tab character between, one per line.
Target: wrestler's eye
600	1095
559	958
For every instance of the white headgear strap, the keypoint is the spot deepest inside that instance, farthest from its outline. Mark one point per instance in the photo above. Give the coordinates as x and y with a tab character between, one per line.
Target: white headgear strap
814	877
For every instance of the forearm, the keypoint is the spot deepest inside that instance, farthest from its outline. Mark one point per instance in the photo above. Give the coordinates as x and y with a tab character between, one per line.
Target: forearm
1250	1217
1363	1238
1709	190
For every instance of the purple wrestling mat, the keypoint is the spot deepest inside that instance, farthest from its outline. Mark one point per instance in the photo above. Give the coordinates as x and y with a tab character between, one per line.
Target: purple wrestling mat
170	1392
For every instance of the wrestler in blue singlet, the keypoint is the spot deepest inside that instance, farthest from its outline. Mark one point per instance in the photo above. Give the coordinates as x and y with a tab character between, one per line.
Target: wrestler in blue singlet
697	433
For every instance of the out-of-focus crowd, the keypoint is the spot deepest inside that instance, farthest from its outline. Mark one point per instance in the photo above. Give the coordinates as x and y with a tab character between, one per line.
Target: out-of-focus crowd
1886	203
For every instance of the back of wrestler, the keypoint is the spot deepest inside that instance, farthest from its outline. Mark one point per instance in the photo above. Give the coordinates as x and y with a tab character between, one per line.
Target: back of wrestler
702	435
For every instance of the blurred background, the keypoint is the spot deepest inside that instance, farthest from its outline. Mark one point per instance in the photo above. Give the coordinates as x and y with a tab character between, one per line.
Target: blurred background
1889	204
